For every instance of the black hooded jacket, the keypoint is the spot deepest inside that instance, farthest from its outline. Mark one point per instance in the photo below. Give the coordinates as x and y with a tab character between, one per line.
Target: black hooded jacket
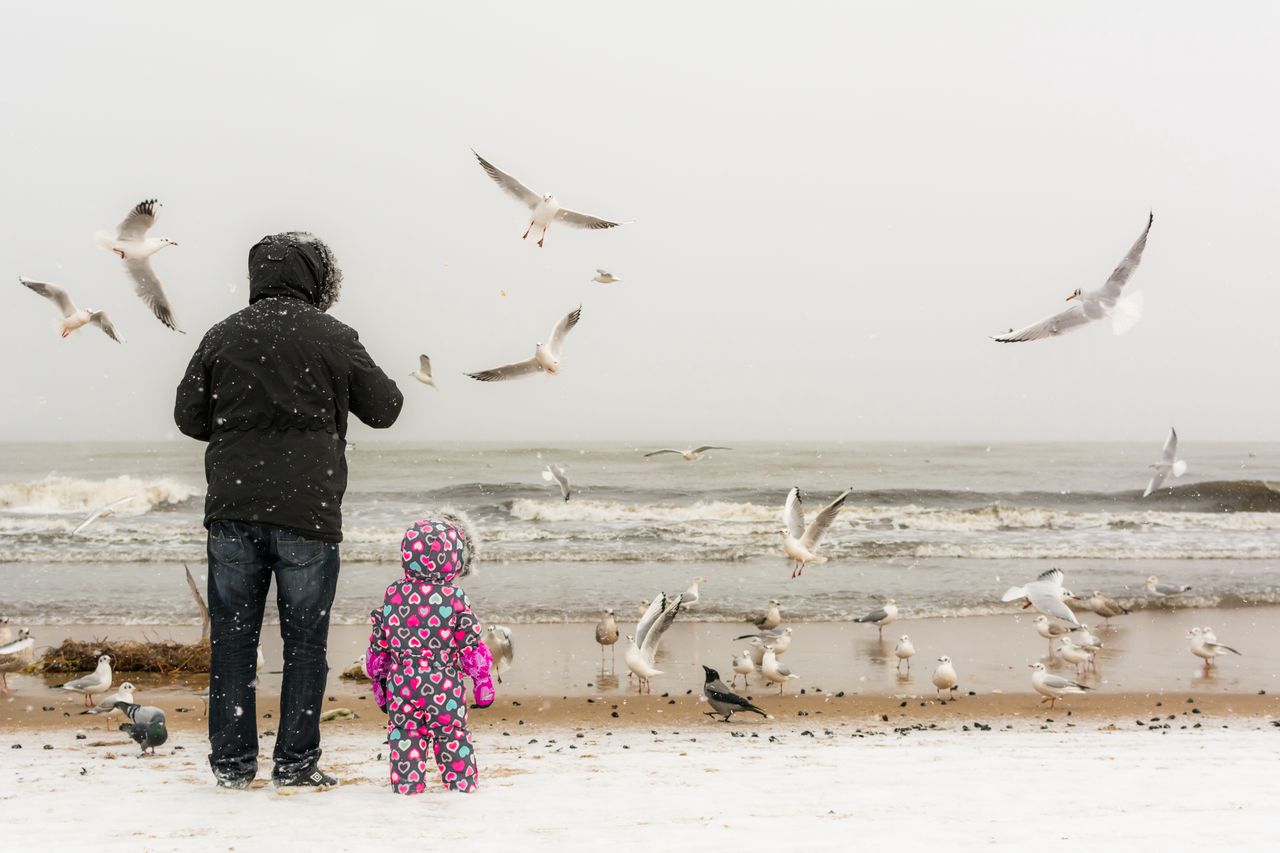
270	387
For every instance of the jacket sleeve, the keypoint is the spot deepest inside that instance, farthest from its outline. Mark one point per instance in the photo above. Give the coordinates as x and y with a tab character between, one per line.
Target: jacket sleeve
377	658
466	627
372	396
193	409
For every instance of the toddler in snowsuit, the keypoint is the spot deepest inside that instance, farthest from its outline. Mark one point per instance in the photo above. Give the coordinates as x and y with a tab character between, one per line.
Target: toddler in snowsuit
424	637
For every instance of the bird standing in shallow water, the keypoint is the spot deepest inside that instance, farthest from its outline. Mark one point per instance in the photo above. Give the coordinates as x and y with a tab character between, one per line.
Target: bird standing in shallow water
944	677
904	651
607	635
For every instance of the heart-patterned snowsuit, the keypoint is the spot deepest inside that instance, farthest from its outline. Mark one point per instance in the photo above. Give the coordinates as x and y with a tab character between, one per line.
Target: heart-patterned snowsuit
424	637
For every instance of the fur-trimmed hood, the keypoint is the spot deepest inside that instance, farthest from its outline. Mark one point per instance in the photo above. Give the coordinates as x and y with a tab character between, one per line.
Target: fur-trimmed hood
295	265
439	549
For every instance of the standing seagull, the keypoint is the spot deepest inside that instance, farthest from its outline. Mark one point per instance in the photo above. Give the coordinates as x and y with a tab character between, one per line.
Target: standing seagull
1168	464
881	616
557	473
1075	655
605	277
503	650
1053	687
798	541
773	671
423	373
692	595
725	702
1092	304
98	681
688	455
545	207
642	649
944	677
743	665
1206	649
1051	630
905	651
15	656
1104	606
72	317
145	727
135	248
771	618
544	358
1045	594
108	704
1164	590
607	635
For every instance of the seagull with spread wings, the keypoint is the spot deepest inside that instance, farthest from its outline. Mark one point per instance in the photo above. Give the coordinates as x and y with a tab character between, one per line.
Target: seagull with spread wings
545	358
135	248
545	208
688	455
642	647
560	476
1168	464
423	373
799	542
1092	305
72	317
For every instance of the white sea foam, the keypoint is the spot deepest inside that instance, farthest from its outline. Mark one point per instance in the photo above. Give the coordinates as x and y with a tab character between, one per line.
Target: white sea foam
54	494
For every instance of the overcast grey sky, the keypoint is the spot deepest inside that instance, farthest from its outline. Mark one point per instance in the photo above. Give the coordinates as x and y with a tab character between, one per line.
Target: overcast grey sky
834	205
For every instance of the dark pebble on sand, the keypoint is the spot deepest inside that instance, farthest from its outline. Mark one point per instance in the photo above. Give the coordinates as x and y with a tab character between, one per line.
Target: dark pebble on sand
971	693
904	704
1158	704
362	698
48	746
268	733
671	702
179	747
665	695
885	717
181	710
331	699
1190	701
533	740
519	722
1195	710
81	736
46	708
613	714
840	695
591	701
267	715
16	746
688	693
65	714
515	703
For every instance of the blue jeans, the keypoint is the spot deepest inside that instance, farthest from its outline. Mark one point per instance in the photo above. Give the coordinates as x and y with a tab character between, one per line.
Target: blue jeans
242	559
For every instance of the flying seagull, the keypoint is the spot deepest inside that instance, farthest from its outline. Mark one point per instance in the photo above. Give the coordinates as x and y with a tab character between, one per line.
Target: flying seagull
545	207
557	473
72	317
605	277
800	542
689	455
545	358
1045	594
423	373
103	512
1168	464
723	700
1092	304
135	248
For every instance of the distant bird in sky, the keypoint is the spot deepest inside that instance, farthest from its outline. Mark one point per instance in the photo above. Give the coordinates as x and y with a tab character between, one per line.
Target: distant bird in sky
1164	590
800	543
545	358
1168	464
724	702
561	478
545	208
501	647
607	634
423	373
135	249
1053	687
689	455
904	651
102	512
881	616
71	318
1092	305
98	681
146	725
604	277
944	676
1045	594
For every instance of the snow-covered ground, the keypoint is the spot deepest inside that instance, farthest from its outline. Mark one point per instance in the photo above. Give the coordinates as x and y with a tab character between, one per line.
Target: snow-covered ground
1085	790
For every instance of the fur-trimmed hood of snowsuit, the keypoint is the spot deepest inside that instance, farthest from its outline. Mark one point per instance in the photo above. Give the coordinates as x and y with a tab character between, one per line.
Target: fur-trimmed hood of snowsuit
439	549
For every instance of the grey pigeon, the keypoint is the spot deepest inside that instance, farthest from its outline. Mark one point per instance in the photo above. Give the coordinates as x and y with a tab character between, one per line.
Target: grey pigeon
146	726
722	699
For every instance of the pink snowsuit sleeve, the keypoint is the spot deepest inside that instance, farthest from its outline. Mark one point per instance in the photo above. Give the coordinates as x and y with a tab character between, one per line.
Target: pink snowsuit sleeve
377	659
473	654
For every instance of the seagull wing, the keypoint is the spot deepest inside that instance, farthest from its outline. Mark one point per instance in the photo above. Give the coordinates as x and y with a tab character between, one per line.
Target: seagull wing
1220	648
1170	448
1060	323
873	616
98	513
583	220
561	330
135	225
819	525
148	288
704	448
1156	482
103	322
664	450
793	513
650	616
53	293
509	185
659	627
1057	682
424	364
508	371
1111	290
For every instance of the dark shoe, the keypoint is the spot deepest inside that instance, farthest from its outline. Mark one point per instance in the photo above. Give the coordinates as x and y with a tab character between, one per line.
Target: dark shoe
315	779
238	783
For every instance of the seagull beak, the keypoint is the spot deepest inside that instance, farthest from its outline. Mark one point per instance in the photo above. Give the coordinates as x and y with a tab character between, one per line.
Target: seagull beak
1072	296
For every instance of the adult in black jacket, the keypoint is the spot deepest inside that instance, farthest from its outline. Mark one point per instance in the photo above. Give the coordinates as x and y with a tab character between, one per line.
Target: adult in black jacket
269	389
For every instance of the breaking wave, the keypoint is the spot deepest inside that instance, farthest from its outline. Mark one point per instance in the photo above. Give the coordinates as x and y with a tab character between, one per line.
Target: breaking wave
55	494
